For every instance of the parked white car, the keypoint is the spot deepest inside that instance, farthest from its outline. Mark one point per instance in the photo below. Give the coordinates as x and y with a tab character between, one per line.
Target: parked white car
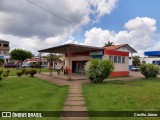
135	68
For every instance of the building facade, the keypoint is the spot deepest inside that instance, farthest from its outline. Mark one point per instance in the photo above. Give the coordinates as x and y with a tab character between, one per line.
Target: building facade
4	50
152	57
77	55
118	54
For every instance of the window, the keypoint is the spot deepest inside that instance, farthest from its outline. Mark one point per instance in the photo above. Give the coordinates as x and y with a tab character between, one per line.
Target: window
5	53
111	58
123	59
5	45
115	59
119	59
144	62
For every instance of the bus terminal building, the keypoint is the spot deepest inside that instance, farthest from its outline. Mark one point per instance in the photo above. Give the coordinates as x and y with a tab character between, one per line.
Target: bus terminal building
77	55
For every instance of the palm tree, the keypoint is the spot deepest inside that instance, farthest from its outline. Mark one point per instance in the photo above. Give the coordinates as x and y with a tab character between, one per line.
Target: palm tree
109	43
52	58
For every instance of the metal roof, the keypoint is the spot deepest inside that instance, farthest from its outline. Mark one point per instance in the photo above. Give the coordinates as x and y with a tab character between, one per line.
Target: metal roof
74	48
152	53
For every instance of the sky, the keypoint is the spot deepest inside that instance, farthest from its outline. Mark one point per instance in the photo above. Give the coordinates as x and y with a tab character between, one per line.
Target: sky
88	22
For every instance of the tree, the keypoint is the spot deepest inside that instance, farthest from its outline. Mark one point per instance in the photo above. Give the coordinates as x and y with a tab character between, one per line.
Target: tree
20	54
52	58
109	43
136	60
1	61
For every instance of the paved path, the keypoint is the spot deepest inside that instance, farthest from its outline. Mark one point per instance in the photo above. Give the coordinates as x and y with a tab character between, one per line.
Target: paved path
75	100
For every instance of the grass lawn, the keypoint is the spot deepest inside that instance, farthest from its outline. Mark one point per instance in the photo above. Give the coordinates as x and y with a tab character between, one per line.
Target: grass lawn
139	95
31	94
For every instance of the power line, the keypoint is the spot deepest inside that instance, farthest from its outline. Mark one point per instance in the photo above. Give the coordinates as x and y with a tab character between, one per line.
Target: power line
62	18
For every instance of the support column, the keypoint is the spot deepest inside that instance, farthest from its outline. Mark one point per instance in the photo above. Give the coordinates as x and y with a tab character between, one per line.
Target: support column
69	63
40	62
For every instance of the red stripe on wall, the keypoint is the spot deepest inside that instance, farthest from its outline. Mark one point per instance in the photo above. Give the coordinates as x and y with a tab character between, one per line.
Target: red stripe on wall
119	73
113	52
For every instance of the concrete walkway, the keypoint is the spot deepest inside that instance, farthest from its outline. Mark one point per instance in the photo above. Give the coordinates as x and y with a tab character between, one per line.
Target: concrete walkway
75	100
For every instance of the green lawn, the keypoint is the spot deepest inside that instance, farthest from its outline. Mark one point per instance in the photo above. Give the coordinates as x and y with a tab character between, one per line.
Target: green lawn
31	94
139	95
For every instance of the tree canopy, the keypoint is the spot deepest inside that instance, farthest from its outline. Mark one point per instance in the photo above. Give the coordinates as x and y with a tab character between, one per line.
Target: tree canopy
136	60
52	57
20	54
109	43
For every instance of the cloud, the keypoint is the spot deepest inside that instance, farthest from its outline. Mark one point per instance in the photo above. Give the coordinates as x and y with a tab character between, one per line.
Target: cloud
138	33
22	18
33	43
28	27
102	7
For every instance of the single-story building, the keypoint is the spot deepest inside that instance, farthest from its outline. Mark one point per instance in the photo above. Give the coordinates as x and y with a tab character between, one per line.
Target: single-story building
152	57
77	55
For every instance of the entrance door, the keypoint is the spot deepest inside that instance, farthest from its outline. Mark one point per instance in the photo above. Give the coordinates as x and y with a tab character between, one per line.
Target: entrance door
78	66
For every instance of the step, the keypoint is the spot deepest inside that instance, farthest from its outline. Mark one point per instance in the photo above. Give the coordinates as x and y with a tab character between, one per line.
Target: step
74	108
75	98
74	102
75	95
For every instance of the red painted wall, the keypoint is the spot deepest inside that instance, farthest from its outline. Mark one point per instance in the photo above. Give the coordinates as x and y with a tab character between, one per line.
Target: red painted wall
114	52
119	73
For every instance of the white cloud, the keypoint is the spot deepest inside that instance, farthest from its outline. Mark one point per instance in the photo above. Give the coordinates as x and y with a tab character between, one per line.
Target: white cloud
31	28
103	7
33	43
97	36
139	34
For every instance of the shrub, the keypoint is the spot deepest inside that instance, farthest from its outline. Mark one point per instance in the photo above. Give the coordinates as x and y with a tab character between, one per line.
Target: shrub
19	73
149	70
32	72
6	72
97	70
23	70
1	71
37	65
26	72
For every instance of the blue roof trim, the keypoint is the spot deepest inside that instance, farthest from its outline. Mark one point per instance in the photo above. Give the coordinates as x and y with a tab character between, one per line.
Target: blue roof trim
152	53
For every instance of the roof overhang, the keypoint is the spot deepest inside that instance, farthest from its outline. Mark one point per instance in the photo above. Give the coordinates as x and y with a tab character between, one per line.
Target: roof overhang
74	48
130	49
152	53
117	47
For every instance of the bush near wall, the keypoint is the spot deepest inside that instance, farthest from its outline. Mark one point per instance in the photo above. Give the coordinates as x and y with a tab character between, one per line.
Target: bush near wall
97	70
149	70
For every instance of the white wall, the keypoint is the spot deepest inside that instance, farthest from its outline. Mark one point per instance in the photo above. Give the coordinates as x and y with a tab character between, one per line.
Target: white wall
119	66
149	60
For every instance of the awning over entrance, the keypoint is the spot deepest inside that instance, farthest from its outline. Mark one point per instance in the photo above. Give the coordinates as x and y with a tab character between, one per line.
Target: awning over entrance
74	48
69	49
